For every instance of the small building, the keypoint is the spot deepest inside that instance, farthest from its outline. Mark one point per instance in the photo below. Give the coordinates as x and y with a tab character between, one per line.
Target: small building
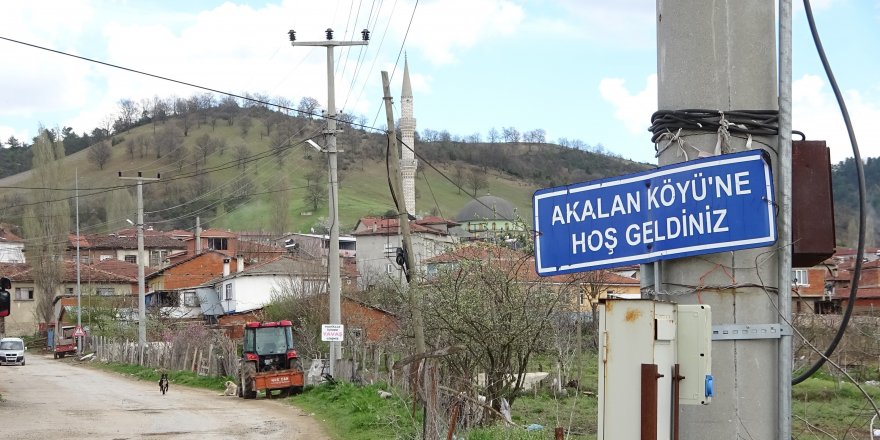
11	246
378	239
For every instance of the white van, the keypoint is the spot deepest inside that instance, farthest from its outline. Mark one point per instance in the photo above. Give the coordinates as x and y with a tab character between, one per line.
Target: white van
12	351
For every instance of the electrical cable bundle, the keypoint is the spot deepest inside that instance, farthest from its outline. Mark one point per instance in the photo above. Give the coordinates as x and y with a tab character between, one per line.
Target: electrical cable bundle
754	122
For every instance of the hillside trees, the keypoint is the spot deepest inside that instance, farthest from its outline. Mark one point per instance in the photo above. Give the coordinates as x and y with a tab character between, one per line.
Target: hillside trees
47	223
280	205
15	159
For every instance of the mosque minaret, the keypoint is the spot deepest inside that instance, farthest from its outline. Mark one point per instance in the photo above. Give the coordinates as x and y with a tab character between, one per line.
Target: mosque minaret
408	162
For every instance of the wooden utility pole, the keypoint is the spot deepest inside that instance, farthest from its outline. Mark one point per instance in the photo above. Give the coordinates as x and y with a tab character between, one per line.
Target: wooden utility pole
403	220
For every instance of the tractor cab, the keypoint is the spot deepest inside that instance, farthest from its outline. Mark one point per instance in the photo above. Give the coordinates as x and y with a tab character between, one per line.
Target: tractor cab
269	360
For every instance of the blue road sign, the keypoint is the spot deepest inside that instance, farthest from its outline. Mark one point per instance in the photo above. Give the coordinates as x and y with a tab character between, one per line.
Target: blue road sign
703	206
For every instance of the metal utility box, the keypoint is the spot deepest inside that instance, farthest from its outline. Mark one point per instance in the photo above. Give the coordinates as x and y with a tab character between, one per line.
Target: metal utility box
634	334
812	208
694	352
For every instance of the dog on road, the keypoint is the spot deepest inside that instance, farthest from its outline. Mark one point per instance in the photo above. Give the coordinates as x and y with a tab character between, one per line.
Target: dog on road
231	389
163	383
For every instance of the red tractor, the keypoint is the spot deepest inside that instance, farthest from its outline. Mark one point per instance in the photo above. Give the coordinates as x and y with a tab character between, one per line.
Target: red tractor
269	361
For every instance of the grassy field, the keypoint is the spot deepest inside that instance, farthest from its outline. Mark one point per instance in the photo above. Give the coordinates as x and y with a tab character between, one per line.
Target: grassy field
822	407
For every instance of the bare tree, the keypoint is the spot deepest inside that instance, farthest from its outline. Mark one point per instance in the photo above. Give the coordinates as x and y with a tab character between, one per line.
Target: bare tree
458	178
316	192
178	154
241	155
308	107
205	146
166	140
510	134
128	110
182	110
476	180
47	224
491	302
245	124
99	154
493	135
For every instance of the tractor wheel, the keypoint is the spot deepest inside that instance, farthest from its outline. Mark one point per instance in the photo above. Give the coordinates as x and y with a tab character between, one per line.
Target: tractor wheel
248	385
55	355
294	390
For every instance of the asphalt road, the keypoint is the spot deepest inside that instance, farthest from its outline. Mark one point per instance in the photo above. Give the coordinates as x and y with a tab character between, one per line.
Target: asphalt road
53	399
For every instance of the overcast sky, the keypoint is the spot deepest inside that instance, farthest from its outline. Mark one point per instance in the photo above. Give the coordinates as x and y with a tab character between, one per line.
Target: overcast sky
579	69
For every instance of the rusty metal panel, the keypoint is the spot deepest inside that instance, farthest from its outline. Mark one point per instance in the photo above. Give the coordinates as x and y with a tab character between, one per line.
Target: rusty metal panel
812	214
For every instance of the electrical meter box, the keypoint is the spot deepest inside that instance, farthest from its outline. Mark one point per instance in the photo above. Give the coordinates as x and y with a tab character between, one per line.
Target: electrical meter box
649	351
694	352
633	332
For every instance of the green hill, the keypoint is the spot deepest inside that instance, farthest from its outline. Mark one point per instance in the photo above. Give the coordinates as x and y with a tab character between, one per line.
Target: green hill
248	169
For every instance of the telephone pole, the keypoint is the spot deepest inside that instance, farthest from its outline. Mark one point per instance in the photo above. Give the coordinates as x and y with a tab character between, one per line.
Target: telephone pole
403	220
334	281
721	56
142	306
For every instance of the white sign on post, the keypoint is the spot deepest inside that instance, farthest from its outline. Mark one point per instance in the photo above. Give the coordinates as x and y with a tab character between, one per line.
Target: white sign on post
332	332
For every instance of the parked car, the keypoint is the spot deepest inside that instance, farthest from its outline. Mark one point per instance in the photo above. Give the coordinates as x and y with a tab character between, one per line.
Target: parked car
12	351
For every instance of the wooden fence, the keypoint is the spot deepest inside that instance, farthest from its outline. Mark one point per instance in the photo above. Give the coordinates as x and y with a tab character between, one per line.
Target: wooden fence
211	358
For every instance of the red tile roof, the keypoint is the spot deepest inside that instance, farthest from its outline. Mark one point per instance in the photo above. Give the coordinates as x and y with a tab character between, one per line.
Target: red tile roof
389	226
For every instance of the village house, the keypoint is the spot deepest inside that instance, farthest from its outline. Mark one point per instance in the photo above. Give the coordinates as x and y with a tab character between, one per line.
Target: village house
378	239
122	245
103	278
172	289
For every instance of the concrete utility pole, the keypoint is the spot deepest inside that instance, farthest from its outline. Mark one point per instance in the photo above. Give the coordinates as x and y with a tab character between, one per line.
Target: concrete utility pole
335	294
142	306
721	56
403	219
78	274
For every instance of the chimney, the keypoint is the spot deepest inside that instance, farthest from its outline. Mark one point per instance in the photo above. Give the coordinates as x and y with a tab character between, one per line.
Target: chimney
226	267
240	260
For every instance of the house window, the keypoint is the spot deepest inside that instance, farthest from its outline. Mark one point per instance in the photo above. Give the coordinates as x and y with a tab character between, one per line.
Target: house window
68	290
105	257
390	268
105	291
799	277
131	259
218	244
156	258
228	292
190	299
24	294
390	250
